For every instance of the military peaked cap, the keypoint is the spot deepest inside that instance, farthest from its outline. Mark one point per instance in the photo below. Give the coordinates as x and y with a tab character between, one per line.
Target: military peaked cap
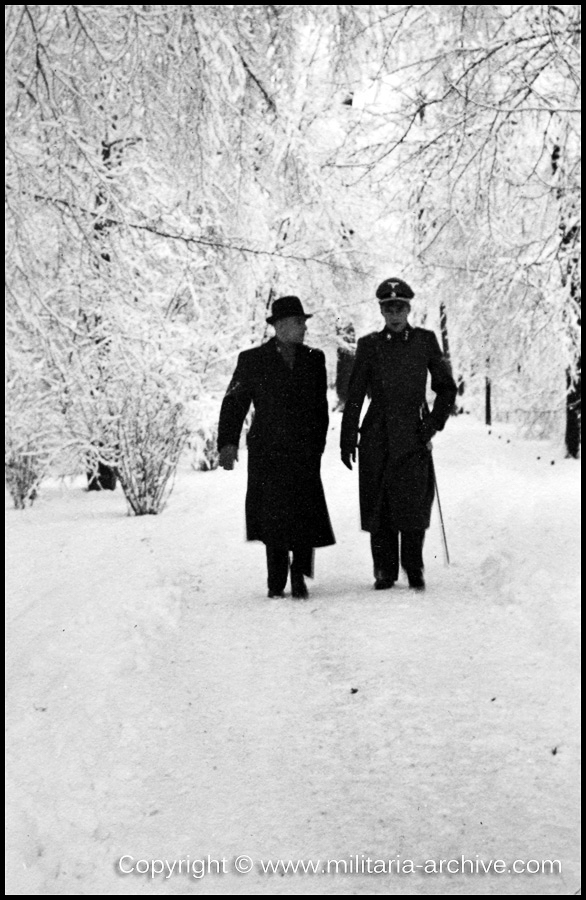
394	289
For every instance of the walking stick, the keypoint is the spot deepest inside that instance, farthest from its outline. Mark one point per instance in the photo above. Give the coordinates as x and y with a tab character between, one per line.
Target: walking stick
439	506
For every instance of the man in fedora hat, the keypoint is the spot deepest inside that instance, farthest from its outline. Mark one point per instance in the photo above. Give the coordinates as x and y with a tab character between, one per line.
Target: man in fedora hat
396	480
285	503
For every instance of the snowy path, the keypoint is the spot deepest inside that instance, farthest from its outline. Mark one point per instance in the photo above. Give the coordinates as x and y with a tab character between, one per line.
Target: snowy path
160	706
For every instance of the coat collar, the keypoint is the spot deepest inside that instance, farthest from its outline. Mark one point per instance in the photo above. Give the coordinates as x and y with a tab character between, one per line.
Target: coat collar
271	347
395	337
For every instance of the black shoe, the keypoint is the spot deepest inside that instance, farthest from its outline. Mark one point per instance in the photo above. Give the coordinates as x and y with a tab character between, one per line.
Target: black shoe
298	587
416	582
272	595
383	584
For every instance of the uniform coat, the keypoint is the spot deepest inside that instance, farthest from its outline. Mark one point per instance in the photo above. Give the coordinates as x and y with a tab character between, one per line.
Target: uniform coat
395	465
285	502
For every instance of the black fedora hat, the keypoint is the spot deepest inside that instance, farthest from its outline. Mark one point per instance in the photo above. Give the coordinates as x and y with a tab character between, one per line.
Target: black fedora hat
394	289
283	307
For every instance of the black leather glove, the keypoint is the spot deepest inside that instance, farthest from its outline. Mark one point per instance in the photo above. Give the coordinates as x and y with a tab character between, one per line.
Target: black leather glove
348	455
425	431
228	456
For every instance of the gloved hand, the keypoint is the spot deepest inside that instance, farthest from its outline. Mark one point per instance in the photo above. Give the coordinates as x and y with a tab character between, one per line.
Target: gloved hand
425	431
228	456
348	456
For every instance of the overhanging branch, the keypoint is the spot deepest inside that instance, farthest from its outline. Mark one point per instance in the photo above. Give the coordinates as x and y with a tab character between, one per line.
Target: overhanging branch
157	231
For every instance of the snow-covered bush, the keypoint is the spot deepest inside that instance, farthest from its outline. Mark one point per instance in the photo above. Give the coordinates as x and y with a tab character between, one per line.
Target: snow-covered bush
203	446
29	438
140	413
22	469
203	437
151	434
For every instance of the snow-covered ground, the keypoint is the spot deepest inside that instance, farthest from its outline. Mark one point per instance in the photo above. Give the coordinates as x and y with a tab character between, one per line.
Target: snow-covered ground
160	707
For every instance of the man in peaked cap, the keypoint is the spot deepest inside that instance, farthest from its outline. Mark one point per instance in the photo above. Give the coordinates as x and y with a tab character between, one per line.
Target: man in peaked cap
393	289
396	481
285	503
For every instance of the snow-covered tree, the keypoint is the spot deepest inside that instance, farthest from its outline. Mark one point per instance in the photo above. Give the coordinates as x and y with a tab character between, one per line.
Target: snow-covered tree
163	183
466	108
172	169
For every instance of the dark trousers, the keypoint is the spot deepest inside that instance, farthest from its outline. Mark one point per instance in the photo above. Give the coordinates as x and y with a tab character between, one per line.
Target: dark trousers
385	553
278	565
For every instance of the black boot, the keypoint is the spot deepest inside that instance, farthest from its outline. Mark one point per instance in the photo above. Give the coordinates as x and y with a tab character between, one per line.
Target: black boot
278	569
412	558
301	565
383	581
385	557
416	581
298	586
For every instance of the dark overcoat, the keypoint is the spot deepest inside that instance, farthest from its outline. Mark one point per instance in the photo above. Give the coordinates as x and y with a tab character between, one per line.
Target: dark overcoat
285	502
394	463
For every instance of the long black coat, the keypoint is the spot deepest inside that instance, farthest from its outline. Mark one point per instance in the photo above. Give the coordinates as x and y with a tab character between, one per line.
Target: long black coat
394	462
285	502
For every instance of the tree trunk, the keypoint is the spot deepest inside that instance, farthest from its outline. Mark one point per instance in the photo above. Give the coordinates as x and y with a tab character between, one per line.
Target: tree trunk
104	477
344	367
573	413
444	331
345	362
570	242
446	350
